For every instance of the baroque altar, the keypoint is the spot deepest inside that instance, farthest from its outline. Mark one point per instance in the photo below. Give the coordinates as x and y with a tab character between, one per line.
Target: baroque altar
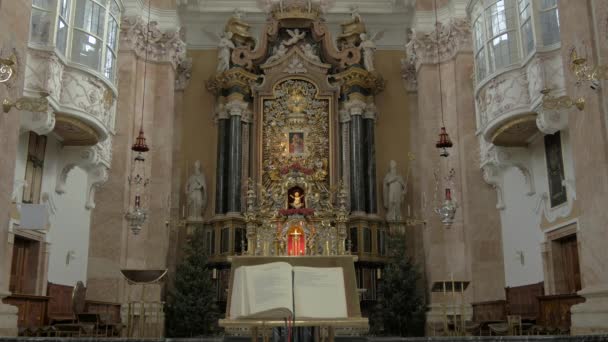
295	113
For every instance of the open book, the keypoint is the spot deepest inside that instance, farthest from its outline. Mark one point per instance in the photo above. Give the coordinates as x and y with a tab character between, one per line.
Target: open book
278	290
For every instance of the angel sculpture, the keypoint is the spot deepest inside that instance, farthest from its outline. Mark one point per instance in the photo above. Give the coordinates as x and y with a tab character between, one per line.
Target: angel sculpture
295	35
224	52
368	45
278	54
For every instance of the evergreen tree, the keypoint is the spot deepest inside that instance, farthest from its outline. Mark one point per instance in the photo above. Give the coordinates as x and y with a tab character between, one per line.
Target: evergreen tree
191	309
400	310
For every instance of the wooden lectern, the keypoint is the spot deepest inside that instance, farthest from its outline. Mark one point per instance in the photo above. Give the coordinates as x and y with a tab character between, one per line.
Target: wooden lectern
264	327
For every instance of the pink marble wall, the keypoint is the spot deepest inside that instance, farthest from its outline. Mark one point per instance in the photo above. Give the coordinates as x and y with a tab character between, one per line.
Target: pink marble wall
470	249
113	245
583	26
14	34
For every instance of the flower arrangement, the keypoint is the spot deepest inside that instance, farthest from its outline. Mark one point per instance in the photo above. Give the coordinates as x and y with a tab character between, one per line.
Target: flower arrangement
300	211
297	167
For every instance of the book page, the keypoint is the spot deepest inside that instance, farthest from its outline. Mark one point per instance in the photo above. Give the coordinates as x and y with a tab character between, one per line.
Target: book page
319	292
238	304
269	288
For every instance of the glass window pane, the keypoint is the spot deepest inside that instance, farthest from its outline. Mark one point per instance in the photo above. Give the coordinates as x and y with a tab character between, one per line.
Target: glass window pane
549	22
500	17
64	9
114	9
546	4
46	4
480	65
86	50
90	17
527	37
478	33
62	35
503	50
112	34
40	31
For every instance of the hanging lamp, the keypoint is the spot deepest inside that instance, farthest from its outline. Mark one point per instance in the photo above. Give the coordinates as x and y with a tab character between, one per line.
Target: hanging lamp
444	142
138	180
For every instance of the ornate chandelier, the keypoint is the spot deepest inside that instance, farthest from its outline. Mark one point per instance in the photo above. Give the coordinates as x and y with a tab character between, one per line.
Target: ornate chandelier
446	210
138	181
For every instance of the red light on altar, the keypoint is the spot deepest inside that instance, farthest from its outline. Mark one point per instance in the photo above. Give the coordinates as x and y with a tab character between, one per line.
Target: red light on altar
296	241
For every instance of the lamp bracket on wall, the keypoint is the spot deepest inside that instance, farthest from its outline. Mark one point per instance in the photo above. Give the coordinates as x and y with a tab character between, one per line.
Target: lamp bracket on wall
31	104
7	68
587	73
562	102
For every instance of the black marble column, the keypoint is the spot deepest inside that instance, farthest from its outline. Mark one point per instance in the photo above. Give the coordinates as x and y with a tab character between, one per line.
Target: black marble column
357	183
235	158
369	143
221	188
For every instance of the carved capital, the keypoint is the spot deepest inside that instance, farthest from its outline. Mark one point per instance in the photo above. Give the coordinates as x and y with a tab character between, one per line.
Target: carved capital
371	111
448	39
183	74
167	47
355	106
408	74
344	115
236	107
550	121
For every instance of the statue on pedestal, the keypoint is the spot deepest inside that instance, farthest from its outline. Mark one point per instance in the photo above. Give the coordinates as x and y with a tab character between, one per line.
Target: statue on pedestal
224	52
394	191
196	191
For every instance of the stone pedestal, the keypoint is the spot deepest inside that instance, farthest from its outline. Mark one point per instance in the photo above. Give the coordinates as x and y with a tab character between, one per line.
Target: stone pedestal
8	317
591	317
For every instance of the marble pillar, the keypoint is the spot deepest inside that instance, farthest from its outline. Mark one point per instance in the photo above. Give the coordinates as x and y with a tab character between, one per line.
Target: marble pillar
113	246
357	170
583	27
470	248
14	35
345	150
223	142
235	109
369	143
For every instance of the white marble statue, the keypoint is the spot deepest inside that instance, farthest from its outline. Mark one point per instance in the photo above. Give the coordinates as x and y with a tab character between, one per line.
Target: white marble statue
278	54
295	35
368	46
224	52
196	191
395	189
309	52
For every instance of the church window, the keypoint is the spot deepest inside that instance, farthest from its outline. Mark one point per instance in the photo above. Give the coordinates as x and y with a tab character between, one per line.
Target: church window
525	19
42	21
33	168
501	26
63	20
505	31
549	22
555	169
83	31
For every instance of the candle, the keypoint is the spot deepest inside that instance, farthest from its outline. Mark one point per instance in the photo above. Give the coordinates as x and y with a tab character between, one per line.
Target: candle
184	211
409	213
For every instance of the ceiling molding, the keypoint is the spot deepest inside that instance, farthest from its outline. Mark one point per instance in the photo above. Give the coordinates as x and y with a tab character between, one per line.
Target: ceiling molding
168	20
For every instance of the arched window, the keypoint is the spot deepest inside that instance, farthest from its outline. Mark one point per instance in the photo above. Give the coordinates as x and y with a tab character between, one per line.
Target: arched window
84	32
